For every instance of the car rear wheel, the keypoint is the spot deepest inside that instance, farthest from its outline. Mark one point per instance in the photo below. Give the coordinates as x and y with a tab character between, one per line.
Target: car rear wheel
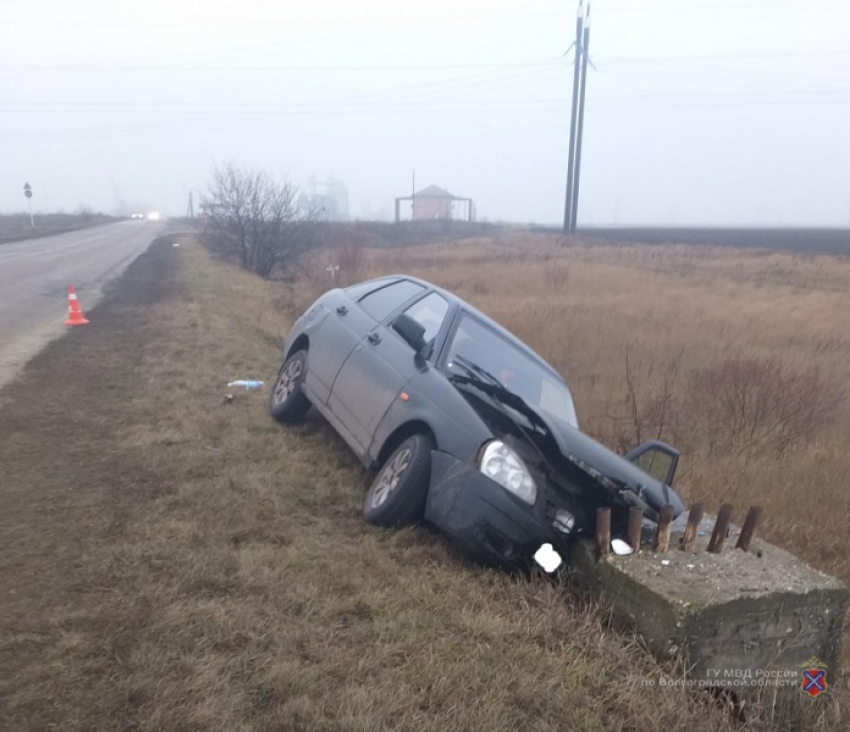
397	495
287	402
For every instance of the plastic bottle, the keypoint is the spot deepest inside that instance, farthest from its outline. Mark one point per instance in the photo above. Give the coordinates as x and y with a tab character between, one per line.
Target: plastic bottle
246	384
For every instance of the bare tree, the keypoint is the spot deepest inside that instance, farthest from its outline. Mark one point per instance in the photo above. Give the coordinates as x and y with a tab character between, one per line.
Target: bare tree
254	220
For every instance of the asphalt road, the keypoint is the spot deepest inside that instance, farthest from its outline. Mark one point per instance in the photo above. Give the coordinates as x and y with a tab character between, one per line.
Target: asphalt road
34	279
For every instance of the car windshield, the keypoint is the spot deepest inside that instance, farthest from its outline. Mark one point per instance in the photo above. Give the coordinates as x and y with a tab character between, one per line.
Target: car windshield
515	370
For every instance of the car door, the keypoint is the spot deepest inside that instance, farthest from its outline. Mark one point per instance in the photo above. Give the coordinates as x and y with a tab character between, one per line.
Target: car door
379	367
344	327
657	459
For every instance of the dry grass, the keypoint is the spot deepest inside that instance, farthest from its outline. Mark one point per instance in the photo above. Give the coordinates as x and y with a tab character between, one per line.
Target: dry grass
209	570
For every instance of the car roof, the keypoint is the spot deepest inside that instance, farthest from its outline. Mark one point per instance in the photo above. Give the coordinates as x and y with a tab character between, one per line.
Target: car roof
472	310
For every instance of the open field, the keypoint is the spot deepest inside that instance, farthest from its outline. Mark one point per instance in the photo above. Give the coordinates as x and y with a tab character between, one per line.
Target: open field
406	233
800	241
178	563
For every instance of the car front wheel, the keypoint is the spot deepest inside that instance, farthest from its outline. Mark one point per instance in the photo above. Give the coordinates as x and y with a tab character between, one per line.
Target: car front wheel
397	495
287	402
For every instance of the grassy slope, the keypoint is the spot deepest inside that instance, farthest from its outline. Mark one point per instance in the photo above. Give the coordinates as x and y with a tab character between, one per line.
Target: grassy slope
182	564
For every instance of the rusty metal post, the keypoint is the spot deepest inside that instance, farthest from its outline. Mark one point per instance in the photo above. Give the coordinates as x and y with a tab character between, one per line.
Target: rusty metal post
635	522
662	535
724	516
603	532
689	538
749	528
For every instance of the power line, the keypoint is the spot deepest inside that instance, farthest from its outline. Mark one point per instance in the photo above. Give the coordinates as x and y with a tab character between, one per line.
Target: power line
489	107
298	68
719	57
424	67
476	83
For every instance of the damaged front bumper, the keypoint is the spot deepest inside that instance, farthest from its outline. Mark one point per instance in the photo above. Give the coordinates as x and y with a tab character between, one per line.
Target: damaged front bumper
483	517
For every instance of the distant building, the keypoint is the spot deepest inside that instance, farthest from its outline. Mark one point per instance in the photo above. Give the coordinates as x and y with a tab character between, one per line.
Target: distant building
330	197
437	203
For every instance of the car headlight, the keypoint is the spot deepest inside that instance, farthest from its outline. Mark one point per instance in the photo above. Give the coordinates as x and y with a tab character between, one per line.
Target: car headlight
503	465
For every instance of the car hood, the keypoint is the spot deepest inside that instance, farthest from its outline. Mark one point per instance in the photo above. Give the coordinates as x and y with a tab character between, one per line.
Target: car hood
570	450
612	471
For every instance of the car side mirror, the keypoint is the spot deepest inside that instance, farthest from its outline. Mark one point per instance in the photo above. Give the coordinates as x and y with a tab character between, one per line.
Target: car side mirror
657	459
411	331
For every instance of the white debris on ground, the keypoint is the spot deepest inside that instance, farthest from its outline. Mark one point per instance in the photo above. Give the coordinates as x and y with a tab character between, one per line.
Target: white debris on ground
620	547
548	558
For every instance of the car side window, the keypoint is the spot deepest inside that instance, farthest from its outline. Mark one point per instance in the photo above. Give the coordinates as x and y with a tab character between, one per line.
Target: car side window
429	312
381	303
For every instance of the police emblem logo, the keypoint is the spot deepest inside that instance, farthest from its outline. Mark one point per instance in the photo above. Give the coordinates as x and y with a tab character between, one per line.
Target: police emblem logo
814	677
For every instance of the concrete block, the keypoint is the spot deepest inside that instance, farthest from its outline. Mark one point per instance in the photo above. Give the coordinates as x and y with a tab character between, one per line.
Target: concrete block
750	622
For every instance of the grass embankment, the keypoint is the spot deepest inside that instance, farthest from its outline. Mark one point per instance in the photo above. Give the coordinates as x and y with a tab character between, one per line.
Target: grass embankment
172	562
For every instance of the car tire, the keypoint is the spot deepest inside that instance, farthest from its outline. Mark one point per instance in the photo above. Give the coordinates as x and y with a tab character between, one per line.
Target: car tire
398	493
287	402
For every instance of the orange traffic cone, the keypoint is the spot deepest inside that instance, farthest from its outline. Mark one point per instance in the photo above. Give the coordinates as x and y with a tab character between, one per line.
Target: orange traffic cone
75	314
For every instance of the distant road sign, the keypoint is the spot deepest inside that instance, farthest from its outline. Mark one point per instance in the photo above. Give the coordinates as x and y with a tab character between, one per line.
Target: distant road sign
27	190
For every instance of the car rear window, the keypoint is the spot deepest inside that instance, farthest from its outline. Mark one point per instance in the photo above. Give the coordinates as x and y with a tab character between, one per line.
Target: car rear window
382	303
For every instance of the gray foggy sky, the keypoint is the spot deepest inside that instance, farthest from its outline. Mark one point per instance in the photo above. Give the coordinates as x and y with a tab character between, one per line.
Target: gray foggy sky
698	112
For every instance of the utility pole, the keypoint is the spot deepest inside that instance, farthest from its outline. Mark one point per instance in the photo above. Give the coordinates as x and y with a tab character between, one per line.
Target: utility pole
190	210
584	51
568	217
413	197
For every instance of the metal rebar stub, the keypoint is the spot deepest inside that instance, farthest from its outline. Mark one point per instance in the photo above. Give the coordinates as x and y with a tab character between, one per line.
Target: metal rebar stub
662	535
721	527
749	528
689	538
603	532
635	524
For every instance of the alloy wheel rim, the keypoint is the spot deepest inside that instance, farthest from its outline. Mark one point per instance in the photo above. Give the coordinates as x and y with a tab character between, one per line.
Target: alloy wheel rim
390	477
287	382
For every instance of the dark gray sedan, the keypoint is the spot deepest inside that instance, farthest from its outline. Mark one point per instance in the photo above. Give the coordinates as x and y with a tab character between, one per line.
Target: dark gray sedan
467	426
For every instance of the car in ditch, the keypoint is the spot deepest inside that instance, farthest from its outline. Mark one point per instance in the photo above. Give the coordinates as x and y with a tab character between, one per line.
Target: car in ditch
468	428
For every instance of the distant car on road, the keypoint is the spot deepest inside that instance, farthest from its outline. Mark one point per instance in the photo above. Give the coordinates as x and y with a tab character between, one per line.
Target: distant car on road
137	215
467	426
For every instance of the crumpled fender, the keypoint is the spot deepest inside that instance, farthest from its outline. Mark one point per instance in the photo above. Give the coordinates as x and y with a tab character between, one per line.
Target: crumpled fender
473	510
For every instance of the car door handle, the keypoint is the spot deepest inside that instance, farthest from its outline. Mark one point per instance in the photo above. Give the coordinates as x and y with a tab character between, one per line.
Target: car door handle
342	310
374	339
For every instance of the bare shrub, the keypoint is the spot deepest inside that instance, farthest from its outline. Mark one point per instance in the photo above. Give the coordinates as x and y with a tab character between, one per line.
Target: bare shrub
649	410
254	220
749	404
556	275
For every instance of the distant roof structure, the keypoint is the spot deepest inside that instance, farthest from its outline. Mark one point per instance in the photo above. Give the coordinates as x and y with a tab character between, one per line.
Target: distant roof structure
434	202
434	192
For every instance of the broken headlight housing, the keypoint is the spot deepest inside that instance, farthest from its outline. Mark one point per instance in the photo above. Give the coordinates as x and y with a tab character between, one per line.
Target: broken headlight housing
564	521
503	465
